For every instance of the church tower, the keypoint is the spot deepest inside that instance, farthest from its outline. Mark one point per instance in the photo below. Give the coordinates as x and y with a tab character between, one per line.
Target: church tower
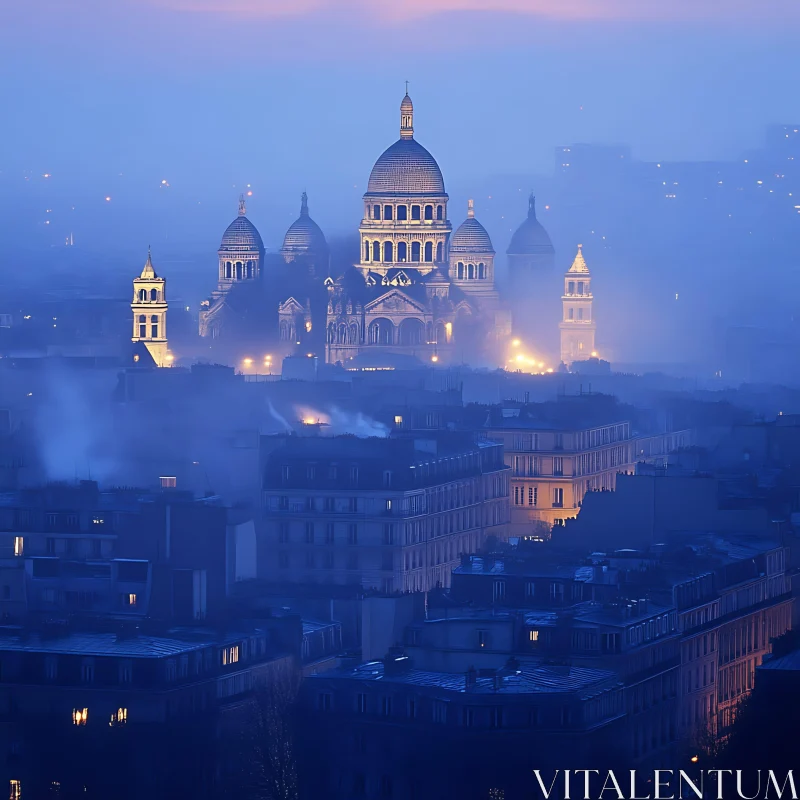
149	308
577	325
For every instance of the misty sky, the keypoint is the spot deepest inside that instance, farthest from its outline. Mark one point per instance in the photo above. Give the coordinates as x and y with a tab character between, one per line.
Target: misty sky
304	94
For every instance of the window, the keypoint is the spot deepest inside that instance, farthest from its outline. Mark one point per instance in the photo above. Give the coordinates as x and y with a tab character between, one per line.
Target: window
412	708
429	251
352	534
558	465
398	421
311	472
499	591
361	703
129	600
415	251
530	588
558	498
80	716
376	212
386	706
328	561
533	495
429	212
387	212
402	212
51	667
388	534
324	701
283	532
580	313
125	671
119	717
533	636
440	712
329	532
483	638
415	212
51	546
309	533
557	591
19	545
230	655
15	790
87	670
154	326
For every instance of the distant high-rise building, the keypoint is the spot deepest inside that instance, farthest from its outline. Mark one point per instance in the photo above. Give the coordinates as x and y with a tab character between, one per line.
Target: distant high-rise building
577	326
149	308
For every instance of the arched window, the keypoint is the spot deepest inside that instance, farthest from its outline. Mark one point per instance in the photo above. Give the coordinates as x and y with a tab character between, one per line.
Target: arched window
481	270
388	252
142	295
460	270
228	268
154	326
429	333
331	332
376	251
441	333
428	212
153	295
354	337
342	338
415	251
470	271
142	326
571	287
249	269
580	287
439	212
238	270
402	251
366	250
402	212
429	251
387	212
415	210
439	252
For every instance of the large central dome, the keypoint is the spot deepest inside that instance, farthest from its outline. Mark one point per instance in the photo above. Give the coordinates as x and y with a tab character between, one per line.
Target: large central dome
406	167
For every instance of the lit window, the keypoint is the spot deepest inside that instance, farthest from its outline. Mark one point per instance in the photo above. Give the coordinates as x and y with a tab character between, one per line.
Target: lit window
230	655
79	716
119	717
398	420
19	545
130	600
533	636
15	790
98	521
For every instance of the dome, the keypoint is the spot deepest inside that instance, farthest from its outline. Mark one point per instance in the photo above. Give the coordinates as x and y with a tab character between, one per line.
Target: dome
304	235
241	235
471	237
530	238
406	168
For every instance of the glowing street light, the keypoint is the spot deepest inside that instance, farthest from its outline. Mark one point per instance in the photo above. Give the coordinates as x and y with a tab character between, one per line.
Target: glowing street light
516	343
434	358
248	362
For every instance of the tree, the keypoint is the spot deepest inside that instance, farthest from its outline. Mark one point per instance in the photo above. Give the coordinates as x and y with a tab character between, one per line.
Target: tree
263	764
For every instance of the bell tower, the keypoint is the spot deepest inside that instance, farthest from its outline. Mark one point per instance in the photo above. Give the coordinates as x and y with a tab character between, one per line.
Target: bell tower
149	308
577	324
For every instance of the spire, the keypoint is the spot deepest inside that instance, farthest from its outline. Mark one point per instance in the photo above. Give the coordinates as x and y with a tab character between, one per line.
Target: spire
304	205
242	206
532	206
470	208
579	264
148	271
406	117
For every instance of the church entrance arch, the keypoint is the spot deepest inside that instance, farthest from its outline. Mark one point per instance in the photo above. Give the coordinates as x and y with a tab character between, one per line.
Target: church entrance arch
381	331
412	331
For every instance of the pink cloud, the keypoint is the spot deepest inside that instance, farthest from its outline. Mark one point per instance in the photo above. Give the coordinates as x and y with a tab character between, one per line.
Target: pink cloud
403	10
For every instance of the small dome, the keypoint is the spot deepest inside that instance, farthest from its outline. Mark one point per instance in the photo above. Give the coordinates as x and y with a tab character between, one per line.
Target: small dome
530	238
471	237
304	235
241	235
406	168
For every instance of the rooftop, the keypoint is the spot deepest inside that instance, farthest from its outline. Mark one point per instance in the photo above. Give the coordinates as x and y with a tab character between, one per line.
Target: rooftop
528	678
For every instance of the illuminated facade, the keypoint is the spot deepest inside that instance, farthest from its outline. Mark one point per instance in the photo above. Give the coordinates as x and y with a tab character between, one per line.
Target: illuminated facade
577	325
404	296
149	309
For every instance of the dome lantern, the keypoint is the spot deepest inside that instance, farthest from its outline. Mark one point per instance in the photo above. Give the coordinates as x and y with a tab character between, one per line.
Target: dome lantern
406	117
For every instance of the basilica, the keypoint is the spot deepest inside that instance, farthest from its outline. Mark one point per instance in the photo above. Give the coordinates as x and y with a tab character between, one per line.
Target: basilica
418	292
